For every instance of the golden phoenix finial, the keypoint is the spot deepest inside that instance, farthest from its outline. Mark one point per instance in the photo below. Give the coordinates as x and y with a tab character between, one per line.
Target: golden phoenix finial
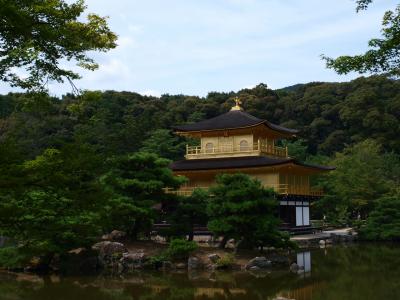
237	102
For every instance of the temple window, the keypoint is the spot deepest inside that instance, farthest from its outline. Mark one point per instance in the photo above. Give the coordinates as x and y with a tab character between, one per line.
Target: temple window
209	147
244	145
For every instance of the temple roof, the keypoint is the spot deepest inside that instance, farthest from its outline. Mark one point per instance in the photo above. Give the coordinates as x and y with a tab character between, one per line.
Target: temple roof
239	162
232	120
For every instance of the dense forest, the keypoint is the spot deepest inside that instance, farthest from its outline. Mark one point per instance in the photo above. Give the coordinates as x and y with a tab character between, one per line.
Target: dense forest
75	167
330	116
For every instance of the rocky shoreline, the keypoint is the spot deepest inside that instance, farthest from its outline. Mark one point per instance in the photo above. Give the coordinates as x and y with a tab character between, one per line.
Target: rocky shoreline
115	255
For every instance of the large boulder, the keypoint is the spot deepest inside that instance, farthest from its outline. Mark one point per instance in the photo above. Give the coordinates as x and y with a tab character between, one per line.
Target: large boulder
114	235
230	244
194	263
109	252
131	261
294	267
260	262
214	257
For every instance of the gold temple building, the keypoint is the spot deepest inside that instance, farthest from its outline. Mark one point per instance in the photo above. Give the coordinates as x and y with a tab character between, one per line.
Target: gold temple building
237	142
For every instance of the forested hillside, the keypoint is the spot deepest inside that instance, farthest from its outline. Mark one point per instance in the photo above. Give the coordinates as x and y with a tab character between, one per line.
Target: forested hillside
329	115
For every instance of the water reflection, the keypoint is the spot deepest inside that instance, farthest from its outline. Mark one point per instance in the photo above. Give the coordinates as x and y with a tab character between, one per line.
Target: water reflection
304	262
356	272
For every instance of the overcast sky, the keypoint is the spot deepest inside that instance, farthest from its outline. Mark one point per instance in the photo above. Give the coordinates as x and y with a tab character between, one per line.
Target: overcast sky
197	46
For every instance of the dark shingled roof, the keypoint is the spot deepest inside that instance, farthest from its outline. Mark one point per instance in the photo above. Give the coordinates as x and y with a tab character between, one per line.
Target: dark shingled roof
231	120
237	162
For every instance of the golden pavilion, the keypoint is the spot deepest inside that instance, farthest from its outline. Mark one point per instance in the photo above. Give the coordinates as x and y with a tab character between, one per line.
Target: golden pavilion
237	142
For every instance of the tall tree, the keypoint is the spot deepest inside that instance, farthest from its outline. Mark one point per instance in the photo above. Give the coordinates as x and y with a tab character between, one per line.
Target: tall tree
361	177
36	36
242	209
383	55
135	184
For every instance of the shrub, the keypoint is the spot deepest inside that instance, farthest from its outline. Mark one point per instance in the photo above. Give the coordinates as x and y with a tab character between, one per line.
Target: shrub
180	248
226	261
156	261
10	257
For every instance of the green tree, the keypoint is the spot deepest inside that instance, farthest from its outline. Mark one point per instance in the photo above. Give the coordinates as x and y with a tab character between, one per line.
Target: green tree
135	183
383	55
242	209
188	212
297	149
37	35
359	180
384	221
164	144
53	203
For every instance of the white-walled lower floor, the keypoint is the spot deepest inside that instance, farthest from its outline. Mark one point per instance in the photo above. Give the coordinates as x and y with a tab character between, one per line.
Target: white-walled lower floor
295	214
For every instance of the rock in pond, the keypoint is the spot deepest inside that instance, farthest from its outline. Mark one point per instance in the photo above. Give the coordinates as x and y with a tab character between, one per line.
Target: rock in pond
214	257
109	251
294	267
180	266
132	261
194	263
260	262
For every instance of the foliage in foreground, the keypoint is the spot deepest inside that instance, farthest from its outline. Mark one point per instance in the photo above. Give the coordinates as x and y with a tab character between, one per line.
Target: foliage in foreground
53	203
382	57
38	35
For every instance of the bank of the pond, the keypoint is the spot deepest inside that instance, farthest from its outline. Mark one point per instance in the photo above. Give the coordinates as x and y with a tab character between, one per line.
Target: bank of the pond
356	271
124	257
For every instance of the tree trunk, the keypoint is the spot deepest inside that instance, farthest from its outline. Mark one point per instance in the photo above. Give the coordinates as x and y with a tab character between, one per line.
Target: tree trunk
223	242
191	236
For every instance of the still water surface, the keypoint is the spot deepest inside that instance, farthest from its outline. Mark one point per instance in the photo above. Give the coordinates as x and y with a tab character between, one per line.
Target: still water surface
356	272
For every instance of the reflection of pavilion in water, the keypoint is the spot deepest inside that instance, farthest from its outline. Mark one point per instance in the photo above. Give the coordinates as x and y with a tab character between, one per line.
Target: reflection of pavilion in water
304	292
304	262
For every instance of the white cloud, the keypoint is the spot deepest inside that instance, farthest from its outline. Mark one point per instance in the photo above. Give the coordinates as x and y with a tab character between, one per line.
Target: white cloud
125	42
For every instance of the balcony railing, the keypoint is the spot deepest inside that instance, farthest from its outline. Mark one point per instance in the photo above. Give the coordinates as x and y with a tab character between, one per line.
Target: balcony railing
282	189
193	152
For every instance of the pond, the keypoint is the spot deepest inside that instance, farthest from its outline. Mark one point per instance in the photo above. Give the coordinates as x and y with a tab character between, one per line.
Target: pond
356	272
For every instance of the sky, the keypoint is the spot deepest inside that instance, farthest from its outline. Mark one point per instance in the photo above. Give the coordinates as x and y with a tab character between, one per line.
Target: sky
197	46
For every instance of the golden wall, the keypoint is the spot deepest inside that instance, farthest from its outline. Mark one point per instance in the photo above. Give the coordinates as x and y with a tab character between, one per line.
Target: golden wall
269	178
